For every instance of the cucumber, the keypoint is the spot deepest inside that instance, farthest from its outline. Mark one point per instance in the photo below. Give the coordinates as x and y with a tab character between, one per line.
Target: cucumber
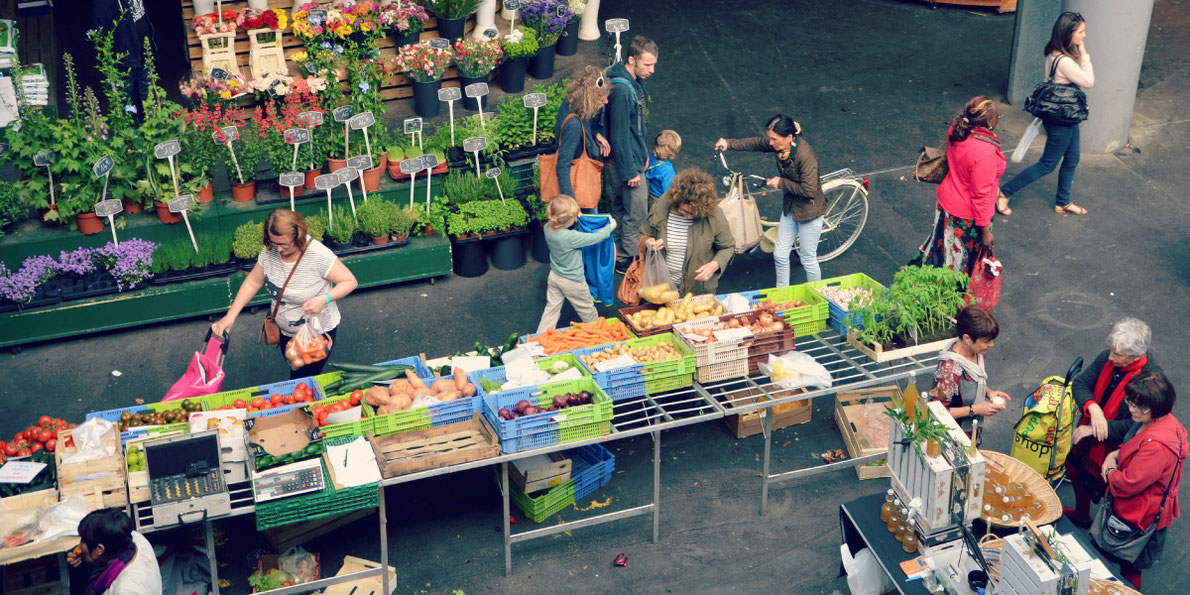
362	368
389	373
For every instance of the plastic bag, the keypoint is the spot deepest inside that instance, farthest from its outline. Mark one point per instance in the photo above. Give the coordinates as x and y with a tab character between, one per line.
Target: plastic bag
796	370
62	519
864	576
308	345
657	285
1022	147
17	527
89	443
301	565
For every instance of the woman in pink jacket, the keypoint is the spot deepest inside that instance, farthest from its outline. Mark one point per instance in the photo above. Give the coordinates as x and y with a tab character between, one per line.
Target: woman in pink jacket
967	196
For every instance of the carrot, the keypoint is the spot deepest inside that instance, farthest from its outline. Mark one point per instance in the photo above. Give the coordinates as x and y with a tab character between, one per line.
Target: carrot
460	378
416	382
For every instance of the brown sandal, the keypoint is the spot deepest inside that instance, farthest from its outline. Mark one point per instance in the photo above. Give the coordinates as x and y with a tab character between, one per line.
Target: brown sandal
1002	205
1071	209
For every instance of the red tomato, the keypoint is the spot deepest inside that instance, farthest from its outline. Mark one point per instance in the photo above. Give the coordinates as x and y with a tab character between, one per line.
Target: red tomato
31	433
36	447
72	426
51	444
321	417
357	395
45	436
275	399
258	402
302	386
287	400
44	420
24	452
11	449
239	404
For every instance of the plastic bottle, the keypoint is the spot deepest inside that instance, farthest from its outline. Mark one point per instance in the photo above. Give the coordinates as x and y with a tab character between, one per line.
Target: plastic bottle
888	506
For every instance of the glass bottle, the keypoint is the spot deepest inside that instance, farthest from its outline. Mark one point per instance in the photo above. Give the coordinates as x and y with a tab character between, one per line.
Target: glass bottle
1035	510
909	542
933	448
894	520
910	398
905	525
888	507
1016	488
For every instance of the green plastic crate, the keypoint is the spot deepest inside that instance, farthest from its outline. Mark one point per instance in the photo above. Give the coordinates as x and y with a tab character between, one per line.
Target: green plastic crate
310	507
668	383
347	428
405	421
543	507
598	410
567	357
569	431
840	314
805	319
684	365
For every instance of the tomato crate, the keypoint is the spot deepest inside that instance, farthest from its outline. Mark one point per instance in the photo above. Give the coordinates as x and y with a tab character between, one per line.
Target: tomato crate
264	391
546	505
663	328
802	317
717	352
591	468
840	314
345	428
309	507
628	334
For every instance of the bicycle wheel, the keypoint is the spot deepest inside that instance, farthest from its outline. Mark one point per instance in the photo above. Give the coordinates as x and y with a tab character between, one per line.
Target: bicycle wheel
846	214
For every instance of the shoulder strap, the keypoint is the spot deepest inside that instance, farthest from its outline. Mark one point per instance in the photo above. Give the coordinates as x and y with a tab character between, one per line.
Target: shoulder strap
582	127
280	294
623	81
1054	66
984	138
1177	468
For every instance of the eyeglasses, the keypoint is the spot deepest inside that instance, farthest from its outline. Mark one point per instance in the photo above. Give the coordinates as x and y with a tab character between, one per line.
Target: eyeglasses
279	245
1138	408
685	212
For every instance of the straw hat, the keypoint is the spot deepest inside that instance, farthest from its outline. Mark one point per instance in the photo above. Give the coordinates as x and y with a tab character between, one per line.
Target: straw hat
768	241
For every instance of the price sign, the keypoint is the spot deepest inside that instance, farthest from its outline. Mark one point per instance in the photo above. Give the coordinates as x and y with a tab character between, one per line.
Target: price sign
475	145
362	120
43	159
429	161
103	166
449	94
360	162
311	67
440	43
347	175
413	165
534	100
413	125
181	203
220	74
342	113
490	33
167	149
316	15
562	10
616	25
229	133
108	208
291	179
326	182
512	4
297	136
492	173
476	89
311	119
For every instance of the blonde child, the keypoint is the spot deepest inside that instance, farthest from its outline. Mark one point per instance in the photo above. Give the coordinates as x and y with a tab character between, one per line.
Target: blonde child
659	171
567	280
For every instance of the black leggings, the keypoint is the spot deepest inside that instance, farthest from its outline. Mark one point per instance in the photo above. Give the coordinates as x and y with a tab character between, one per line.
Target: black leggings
313	369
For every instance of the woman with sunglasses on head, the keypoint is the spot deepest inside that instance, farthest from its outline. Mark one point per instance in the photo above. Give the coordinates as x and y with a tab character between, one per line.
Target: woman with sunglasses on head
313	278
586	94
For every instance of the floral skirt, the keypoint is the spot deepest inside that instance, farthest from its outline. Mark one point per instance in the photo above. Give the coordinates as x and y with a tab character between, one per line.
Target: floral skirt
953	243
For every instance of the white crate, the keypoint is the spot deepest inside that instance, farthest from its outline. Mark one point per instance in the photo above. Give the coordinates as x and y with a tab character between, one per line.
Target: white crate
1025	572
711	353
915	475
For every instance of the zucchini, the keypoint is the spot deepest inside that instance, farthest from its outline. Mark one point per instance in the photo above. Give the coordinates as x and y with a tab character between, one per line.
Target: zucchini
350	368
366	382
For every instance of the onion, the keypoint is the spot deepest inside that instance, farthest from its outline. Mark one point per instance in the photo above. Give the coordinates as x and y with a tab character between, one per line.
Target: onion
505	414
574	400
521	406
531	409
585	396
560	401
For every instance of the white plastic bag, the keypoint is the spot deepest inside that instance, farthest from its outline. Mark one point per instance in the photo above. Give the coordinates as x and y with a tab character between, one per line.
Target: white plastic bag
301	565
88	442
1022	147
62	519
796	370
864	576
657	285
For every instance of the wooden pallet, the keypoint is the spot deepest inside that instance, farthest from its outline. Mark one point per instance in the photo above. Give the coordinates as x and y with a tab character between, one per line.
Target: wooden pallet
431	448
848	406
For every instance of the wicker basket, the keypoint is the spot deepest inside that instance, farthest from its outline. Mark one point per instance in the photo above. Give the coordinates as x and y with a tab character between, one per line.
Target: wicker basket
992	546
1041	490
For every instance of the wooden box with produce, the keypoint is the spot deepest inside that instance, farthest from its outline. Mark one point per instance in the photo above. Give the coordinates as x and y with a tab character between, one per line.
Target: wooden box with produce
916	315
752	423
44	481
860	416
651	320
281	439
17	533
580	335
101	480
431	448
372	584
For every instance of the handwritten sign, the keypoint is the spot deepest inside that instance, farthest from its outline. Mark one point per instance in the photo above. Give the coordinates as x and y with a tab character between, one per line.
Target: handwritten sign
492	173
475	145
412	125
181	203
316	15
412	165
476	89
326	181
311	119
362	120
347	174
429	161
440	43
108	208
512	4
167	149
616	25
291	179
449	94
297	136
229	133
220	74
490	33
562	10
103	166
534	100
20	471
342	113
311	67
43	159
360	162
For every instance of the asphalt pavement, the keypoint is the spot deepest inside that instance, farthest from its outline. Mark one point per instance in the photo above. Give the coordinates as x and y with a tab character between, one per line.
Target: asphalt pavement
870	81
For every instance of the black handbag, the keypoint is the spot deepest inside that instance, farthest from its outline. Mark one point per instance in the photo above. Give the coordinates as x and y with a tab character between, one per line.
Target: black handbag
1060	103
1117	536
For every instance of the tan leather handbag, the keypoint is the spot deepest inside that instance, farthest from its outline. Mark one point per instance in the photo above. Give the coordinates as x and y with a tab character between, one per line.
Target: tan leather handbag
629	291
585	175
742	216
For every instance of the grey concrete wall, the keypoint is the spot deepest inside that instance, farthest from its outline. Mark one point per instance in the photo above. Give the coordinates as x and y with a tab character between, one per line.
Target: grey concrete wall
1034	21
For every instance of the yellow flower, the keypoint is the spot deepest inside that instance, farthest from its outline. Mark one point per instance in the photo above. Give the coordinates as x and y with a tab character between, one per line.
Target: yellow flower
366	27
225	94
282	18
299	57
343	30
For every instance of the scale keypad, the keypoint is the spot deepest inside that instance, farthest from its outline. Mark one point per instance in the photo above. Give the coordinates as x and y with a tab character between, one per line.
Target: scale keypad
180	487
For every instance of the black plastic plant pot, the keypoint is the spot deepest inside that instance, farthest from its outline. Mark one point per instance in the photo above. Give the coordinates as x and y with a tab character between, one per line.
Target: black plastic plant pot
473	103
512	75
425	98
540	250
568	43
451	29
404	39
508	253
470	258
541	65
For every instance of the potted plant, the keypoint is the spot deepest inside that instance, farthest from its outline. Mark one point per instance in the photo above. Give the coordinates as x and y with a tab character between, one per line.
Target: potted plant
32	189
376	219
316	226
425	65
403	221
451	15
538	216
199	146
518	46
340	229
549	19
568	42
244	154
917	313
406	19
514	123
430	221
30	286
475	60
130	263
160	123
247	242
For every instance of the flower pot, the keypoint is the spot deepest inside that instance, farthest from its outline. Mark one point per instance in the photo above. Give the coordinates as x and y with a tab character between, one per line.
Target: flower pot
310	175
508	252
131	206
469	102
568	43
258	4
207	194
541	65
378	240
470	259
243	192
333	165
425	98
204	6
512	75
588	28
163	214
485	15
540	250
452	29
88	223
372	176
404	39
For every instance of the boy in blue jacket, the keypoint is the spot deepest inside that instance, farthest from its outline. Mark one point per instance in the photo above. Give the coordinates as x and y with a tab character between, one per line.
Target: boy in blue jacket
567	280
660	172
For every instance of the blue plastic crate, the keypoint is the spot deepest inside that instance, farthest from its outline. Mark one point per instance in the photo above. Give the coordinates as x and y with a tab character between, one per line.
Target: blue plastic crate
529	441
455	411
415	362
591	468
753	296
497	375
610	378
626	390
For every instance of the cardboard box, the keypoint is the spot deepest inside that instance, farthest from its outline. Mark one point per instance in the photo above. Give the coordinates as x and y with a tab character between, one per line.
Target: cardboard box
851	408
279	435
752	423
540	472
365	585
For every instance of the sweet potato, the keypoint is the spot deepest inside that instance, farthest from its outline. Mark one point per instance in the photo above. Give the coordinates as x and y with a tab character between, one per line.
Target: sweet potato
377	396
416	382
460	378
401	401
400	386
449	395
468	390
443	385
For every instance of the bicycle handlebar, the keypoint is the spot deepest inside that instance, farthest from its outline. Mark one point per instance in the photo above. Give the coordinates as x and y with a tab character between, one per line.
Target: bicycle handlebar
755	180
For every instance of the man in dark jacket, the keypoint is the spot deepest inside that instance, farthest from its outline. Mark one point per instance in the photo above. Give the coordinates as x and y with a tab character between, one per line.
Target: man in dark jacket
624	127
132	27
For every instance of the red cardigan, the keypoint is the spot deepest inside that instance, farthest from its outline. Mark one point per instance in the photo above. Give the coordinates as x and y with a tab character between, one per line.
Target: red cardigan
973	181
1147	463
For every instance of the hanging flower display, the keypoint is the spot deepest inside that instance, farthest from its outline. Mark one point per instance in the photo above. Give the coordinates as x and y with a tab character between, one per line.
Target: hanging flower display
206	24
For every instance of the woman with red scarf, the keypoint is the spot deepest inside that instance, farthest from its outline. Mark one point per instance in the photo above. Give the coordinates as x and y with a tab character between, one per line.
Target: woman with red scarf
1099	393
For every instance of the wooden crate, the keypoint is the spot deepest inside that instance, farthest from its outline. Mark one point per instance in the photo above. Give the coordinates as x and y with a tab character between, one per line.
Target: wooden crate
431	448
849	406
101	481
34	549
752	423
916	475
283	538
877	353
364	585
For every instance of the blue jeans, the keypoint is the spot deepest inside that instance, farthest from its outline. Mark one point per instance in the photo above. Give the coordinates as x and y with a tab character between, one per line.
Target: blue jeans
1061	144
807	233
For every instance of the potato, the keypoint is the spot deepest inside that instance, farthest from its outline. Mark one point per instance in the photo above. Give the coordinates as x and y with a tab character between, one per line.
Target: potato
443	385
401	402
400	386
449	395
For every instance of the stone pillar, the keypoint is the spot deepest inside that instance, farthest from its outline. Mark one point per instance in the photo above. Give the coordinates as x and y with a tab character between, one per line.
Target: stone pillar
1034	22
589	26
1116	36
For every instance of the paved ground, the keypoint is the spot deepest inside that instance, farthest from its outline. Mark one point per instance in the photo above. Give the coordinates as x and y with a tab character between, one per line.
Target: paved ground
870	80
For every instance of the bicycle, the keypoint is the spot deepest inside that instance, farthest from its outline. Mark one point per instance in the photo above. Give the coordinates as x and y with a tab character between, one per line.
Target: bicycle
846	207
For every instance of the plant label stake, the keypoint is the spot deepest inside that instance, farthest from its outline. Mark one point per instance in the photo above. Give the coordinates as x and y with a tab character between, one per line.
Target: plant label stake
109	208
342	114
296	137
311	120
103	169
411	166
475	145
291	180
534	101
167	150
44	159
616	27
328	182
181	205
494	173
362	121
413	129
224	136
428	162
220	74
346	176
512	5
361	163
450	95
440	43
477	91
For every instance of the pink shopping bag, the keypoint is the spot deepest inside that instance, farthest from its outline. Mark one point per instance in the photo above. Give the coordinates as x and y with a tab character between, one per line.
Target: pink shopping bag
204	375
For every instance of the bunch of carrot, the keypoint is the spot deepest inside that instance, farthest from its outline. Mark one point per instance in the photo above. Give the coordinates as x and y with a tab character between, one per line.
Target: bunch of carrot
582	334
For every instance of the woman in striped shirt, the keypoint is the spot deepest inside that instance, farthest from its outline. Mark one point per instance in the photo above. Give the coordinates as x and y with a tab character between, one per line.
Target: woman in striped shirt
689	225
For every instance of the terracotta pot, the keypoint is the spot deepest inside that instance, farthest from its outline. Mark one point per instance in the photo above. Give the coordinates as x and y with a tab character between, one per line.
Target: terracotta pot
400	238
244	192
88	223
207	194
131	206
380	239
163	214
310	175
429	231
372	176
334	165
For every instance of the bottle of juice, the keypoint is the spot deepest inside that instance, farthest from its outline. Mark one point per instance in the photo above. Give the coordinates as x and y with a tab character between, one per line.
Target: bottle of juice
902	526
911	397
1016	488
1035	509
887	508
909	542
894	521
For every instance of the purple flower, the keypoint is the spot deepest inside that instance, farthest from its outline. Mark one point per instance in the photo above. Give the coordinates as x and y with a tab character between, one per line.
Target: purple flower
78	262
21	286
129	264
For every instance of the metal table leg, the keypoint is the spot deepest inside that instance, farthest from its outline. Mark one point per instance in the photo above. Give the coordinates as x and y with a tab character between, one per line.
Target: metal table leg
656	485
383	543
507	528
208	528
768	448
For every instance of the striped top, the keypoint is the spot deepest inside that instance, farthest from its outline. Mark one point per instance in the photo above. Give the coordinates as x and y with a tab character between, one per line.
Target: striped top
309	281
677	232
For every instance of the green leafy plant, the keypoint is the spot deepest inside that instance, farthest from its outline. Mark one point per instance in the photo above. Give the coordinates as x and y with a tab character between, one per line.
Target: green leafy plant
396	153
316	226
450	9
248	240
520	46
538	209
172	256
344	226
12	208
266	582
434	220
514	121
160	123
921	300
404	220
376	217
460	187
